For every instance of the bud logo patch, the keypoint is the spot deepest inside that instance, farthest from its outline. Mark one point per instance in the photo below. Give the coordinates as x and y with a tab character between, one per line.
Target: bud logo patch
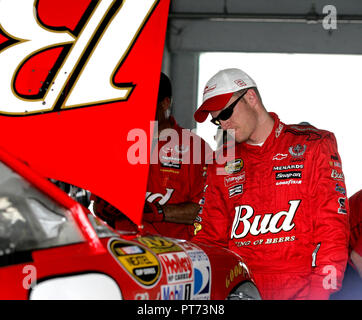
270	222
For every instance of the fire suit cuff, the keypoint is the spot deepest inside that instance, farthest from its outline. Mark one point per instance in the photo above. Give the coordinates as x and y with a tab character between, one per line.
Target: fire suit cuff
156	214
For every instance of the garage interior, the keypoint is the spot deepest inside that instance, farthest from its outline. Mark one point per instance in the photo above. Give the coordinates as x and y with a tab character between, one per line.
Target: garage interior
260	26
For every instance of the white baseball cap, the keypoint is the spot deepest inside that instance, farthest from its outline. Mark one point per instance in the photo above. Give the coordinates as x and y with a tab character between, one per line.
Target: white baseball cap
220	88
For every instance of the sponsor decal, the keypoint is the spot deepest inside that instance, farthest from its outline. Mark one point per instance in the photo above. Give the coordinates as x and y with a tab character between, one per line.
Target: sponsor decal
180	291
288	175
337	175
335	164
335	157
206	185
240	82
262	224
171	165
131	249
288	167
159	244
202	282
74	81
170	162
231	180
342	206
167	158
340	189
239	270
234	166
235	190
265	241
178	266
202	270
289	182
197	228
280	156
297	151
208	89
278	130
138	262
170	171
159	197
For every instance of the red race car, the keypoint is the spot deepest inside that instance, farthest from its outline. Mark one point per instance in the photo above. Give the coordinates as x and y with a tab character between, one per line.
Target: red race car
75	90
51	247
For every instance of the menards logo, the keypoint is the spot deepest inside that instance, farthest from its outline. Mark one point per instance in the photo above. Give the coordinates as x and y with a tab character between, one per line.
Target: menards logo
84	76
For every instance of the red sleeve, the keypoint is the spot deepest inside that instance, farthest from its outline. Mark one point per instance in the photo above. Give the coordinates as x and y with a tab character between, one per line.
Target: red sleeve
212	224
358	246
355	203
330	220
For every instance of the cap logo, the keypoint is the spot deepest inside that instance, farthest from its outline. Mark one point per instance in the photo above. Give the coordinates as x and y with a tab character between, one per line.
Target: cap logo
208	89
240	83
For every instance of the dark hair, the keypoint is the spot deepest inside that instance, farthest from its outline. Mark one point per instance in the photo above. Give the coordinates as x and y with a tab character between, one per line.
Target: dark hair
165	90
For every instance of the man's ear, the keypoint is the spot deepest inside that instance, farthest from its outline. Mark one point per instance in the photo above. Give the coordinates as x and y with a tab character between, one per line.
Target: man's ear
251	97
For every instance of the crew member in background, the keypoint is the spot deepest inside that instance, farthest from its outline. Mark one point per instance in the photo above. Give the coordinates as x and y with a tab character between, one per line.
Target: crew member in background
280	201
355	203
177	174
352	283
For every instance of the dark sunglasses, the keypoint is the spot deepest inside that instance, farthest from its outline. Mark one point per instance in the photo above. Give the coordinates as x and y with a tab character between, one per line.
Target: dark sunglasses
226	113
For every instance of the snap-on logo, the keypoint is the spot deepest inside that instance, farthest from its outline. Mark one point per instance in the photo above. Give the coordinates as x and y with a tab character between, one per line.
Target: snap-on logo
288	175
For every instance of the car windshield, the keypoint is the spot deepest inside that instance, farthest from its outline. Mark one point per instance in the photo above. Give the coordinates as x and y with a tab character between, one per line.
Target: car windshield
29	219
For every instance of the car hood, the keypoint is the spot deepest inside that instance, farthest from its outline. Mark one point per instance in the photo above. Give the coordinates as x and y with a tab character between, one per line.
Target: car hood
77	93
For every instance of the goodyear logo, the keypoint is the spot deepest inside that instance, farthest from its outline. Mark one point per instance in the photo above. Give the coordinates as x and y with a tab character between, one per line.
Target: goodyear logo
239	270
140	263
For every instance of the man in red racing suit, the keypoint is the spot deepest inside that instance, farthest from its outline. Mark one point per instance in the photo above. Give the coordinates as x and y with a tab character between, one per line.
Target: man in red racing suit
177	180
281	205
355	244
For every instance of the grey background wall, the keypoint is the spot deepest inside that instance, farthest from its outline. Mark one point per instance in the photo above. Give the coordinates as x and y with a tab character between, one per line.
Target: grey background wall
292	26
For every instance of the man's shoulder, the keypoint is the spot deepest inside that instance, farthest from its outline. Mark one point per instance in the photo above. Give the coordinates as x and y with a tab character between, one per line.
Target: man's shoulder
305	132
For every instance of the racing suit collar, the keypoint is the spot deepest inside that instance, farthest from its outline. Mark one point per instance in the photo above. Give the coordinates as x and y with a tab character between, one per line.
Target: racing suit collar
173	125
